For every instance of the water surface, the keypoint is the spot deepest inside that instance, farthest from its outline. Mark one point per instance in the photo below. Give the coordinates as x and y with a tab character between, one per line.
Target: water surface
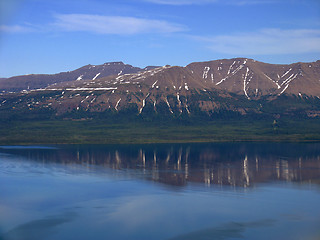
160	191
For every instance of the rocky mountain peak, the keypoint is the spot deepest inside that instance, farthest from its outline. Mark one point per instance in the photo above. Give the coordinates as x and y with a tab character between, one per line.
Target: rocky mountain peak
237	84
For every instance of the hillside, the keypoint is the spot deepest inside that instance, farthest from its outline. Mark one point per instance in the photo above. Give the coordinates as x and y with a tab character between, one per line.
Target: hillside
232	87
36	81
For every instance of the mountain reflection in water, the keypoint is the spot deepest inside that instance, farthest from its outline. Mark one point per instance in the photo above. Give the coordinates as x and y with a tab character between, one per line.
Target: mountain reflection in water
233	164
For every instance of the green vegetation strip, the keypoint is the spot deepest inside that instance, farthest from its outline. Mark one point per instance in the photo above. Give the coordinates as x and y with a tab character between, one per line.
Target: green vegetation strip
103	132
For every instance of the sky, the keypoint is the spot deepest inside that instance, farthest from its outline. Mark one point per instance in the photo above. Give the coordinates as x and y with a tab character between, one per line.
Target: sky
51	36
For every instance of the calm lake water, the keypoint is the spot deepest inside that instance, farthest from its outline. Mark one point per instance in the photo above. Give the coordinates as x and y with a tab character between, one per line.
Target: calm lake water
181	191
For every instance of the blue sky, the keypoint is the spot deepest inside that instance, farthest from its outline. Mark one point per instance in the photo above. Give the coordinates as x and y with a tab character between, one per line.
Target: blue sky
50	36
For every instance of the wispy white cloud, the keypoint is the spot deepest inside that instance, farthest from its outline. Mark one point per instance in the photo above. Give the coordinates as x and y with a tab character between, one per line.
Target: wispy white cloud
113	24
179	2
16	29
100	24
265	42
200	2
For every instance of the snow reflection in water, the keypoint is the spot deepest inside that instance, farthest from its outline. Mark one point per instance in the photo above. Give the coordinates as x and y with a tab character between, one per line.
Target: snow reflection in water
160	191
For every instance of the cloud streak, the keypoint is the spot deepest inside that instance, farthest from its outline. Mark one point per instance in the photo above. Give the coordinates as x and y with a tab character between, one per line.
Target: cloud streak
118	25
16	29
99	24
201	2
266	42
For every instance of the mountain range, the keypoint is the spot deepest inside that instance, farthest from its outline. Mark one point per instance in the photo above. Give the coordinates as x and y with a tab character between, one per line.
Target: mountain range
239	86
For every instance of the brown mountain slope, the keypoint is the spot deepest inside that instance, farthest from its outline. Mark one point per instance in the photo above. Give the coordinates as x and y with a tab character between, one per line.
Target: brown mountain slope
35	81
239	85
253	79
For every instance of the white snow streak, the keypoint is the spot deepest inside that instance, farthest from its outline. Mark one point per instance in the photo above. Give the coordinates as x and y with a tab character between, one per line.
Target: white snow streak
237	70
179	102
187	109
84	99
205	72
84	89
286	73
245	83
233	73
231	67
169	105
272	80
79	78
96	76
283	90
116	107
154	84
221	80
289	79
144	103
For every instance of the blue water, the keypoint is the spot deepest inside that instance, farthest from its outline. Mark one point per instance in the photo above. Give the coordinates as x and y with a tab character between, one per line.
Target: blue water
188	191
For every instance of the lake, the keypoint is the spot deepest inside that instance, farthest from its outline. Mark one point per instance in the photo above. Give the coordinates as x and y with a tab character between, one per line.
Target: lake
160	191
